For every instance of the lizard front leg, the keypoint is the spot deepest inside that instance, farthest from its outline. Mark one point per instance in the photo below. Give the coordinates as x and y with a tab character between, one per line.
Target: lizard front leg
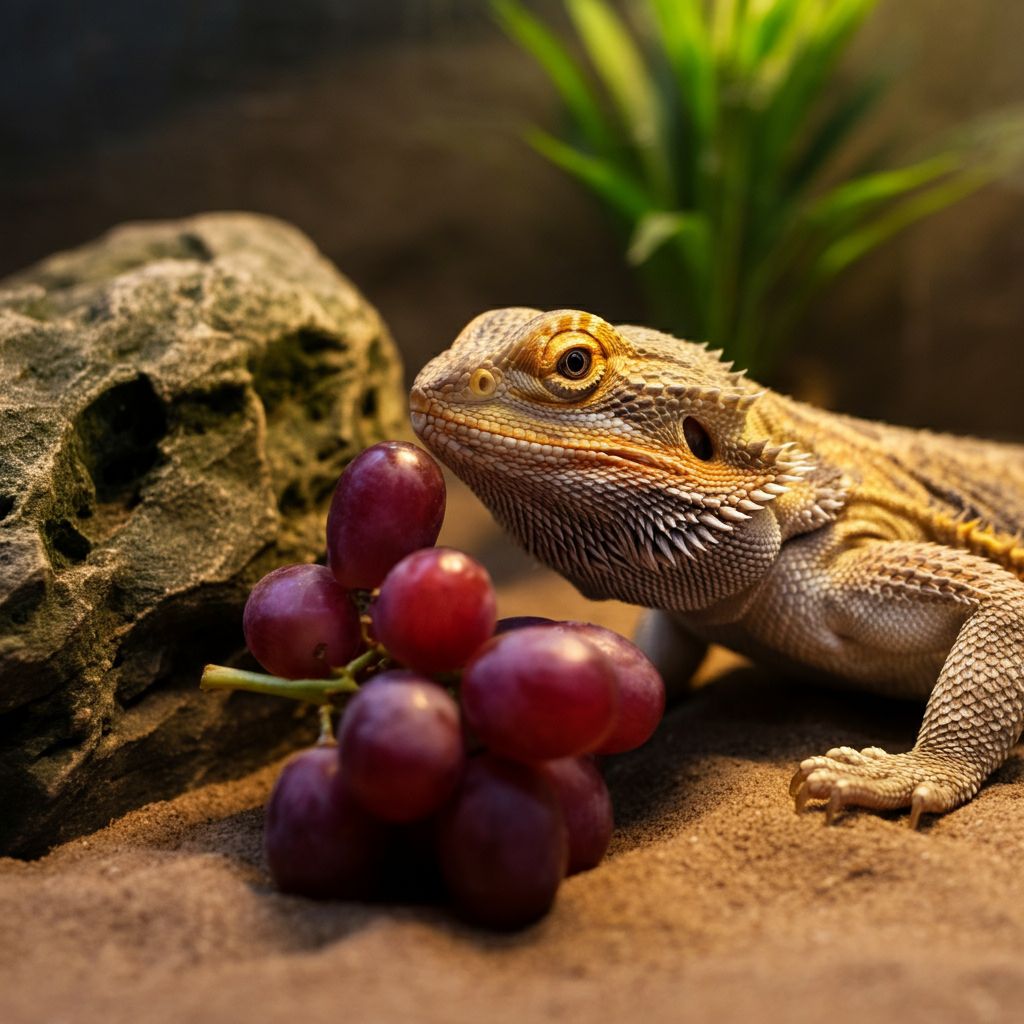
675	652
886	606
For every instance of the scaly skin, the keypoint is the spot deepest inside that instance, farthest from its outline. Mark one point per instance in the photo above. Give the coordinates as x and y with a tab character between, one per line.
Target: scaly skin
643	469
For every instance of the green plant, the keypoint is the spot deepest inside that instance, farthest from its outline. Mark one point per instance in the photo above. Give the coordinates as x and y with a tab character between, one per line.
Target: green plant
713	138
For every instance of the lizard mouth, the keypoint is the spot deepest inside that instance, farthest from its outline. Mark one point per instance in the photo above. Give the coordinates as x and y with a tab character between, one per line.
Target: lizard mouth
631	456
424	412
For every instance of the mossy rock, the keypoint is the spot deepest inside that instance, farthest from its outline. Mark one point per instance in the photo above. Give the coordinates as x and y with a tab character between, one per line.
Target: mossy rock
177	400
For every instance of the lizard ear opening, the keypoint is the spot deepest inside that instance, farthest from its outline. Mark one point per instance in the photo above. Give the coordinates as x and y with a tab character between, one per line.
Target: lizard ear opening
698	439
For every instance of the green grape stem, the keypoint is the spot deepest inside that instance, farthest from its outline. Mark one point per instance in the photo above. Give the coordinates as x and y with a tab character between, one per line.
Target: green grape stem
368	659
342	681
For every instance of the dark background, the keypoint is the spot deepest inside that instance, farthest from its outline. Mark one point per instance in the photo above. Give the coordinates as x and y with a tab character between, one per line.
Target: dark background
388	130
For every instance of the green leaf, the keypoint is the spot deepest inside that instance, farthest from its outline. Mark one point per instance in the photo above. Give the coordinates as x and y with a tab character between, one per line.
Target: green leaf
687	44
725	14
815	53
623	194
868	192
777	22
625	76
849	248
834	131
654	229
570	81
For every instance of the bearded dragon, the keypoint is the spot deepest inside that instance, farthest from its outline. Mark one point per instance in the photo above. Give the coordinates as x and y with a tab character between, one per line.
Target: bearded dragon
643	468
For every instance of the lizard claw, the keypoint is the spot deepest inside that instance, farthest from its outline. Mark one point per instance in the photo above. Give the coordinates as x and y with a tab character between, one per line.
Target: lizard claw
818	784
806	767
925	799
862	762
837	800
873	778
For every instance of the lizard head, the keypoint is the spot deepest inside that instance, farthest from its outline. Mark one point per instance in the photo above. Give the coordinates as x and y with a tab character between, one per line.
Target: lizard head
623	458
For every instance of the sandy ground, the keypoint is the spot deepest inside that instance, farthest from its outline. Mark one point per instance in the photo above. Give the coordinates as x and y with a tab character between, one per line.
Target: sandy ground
716	903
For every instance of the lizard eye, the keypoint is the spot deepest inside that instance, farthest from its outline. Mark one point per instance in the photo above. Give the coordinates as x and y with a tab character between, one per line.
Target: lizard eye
575	364
698	439
571	365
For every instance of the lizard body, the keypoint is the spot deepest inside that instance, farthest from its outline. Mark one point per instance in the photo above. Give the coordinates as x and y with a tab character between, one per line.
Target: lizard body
644	469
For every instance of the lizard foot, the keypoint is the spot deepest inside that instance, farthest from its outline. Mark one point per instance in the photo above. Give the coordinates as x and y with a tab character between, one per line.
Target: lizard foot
872	778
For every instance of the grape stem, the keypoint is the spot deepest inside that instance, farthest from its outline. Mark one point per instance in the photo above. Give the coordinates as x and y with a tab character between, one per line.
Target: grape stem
365	660
315	691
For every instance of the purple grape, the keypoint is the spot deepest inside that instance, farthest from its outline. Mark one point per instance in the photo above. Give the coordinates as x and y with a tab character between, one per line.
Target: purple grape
641	690
435	608
401	746
502	843
388	503
586	806
538	693
298	622
319	840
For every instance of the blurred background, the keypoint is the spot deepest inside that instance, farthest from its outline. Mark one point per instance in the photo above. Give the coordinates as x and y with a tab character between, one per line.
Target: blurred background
390	132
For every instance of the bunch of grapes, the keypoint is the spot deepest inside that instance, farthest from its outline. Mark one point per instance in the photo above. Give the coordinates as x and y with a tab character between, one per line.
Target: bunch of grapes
474	742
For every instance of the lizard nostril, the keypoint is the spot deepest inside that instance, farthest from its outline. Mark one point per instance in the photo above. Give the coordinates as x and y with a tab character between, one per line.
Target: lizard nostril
482	383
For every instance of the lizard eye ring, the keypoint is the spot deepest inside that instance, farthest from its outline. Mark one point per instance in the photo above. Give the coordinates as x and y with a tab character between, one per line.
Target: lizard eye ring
575	364
571	365
482	383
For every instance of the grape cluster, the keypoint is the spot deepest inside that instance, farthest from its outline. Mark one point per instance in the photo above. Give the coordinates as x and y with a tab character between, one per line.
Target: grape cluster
480	739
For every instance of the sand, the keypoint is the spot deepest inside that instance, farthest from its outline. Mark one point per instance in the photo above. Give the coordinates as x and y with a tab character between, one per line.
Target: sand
716	903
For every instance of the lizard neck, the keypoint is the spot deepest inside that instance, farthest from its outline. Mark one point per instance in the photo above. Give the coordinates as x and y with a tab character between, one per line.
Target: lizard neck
615	541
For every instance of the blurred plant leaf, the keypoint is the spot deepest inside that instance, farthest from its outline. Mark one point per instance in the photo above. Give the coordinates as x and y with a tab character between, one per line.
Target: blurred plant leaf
986	150
834	131
534	36
687	45
615	187
713	137
656	228
625	76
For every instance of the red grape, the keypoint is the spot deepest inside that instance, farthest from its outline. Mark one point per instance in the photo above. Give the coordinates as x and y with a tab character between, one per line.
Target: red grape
641	690
298	622
401	746
388	503
319	841
586	806
537	693
502	843
435	608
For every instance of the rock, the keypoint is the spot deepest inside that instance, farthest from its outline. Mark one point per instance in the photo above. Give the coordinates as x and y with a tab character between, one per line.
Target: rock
177	400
